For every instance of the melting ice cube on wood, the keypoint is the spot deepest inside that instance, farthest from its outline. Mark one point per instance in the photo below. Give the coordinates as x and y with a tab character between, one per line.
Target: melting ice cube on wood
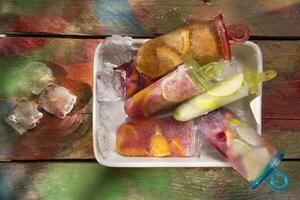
57	100
36	76
24	116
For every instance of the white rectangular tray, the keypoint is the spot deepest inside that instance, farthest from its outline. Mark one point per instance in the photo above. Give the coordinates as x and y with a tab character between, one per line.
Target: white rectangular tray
248	54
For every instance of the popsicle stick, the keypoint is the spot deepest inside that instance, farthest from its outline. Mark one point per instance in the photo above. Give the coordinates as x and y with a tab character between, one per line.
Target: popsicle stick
82	180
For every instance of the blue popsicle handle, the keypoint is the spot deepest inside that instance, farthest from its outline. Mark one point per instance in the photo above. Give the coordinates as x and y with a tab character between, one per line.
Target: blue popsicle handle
278	180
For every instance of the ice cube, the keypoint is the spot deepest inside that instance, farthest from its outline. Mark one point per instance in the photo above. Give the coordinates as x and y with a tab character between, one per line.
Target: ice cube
105	142
36	76
110	117
112	114
230	68
110	84
24	116
116	50
57	100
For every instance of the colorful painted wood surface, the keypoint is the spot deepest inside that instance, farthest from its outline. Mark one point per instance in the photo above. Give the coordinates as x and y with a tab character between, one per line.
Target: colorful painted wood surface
71	61
134	17
280	109
75	180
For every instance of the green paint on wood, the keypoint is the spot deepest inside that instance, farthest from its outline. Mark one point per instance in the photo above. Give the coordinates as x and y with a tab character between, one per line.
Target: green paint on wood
11	77
97	182
68	179
78	181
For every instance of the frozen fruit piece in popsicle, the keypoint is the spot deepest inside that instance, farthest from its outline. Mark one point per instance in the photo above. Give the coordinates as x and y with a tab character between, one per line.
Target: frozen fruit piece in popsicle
207	101
167	58
248	135
253	162
159	145
205	41
130	143
178	40
187	81
227	91
177	147
156	137
57	100
227	87
239	147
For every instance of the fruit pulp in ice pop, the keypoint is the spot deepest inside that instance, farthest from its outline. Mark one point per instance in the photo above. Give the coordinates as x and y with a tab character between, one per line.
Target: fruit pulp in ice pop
224	92
200	41
134	81
221	94
162	94
187	81
156	137
248	152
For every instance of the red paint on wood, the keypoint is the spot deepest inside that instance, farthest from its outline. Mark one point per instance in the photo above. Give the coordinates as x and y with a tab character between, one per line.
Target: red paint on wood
280	124
39	23
44	141
281	99
18	46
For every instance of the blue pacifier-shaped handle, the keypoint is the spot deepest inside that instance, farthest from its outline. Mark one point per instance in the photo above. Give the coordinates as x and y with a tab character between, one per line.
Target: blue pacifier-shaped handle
278	180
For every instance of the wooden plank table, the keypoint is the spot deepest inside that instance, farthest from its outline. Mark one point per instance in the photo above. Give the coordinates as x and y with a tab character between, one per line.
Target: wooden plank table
56	161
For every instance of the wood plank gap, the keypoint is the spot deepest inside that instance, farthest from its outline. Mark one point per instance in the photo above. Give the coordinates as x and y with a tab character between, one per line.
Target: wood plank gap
291	159
98	36
90	161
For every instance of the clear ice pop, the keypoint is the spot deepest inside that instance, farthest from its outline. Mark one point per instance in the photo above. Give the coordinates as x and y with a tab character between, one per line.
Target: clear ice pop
187	81
163	137
250	154
205	41
231	89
